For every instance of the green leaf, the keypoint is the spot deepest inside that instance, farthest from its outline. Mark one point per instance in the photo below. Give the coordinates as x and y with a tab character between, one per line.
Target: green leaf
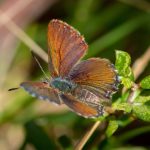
145	83
123	61
142	111
112	127
122	64
126	107
143	97
124	120
127	82
124	97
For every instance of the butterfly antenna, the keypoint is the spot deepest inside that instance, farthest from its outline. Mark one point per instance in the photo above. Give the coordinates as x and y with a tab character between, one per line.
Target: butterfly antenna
39	65
12	89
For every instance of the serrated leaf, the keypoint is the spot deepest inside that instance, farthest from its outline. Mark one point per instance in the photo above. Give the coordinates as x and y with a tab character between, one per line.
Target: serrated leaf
112	127
126	107
130	74
143	97
145	83
127	82
122	64
142	111
123	61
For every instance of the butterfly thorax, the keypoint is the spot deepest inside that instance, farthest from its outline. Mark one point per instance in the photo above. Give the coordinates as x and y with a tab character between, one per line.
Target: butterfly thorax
63	85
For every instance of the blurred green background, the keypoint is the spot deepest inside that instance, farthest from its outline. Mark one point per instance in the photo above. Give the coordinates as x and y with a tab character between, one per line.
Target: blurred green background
29	124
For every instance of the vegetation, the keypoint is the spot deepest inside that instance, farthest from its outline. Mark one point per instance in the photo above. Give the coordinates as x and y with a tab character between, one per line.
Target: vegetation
114	30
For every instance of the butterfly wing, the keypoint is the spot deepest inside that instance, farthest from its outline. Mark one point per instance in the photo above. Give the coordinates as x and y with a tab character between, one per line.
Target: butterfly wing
91	94
96	75
66	47
83	108
41	90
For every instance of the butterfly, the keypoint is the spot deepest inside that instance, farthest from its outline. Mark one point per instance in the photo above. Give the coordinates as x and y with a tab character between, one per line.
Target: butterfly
84	86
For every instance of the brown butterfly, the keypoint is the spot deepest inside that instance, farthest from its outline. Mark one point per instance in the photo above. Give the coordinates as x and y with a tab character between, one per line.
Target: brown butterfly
85	86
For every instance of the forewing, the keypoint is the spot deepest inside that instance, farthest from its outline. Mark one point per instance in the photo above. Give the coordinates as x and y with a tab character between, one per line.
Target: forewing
83	108
41	90
66	47
97	75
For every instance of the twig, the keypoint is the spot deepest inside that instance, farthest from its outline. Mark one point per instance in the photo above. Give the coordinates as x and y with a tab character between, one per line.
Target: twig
88	134
141	63
133	94
19	33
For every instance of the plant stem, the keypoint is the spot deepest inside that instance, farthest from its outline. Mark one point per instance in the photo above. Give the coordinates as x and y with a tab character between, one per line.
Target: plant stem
133	93
88	134
141	63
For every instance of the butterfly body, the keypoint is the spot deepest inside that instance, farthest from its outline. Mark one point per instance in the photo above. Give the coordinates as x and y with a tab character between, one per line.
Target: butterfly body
85	86
63	85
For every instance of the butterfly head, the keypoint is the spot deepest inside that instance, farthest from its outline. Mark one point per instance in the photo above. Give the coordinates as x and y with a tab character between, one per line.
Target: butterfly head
62	85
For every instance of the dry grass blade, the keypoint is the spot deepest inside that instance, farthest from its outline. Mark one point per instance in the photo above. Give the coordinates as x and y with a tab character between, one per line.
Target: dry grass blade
17	7
88	134
19	33
141	63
